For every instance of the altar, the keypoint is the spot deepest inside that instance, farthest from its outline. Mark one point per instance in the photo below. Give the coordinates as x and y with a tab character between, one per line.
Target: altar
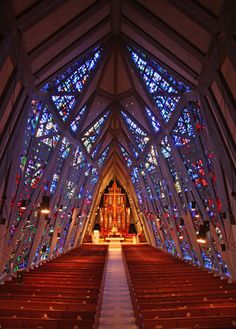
114	239
114	214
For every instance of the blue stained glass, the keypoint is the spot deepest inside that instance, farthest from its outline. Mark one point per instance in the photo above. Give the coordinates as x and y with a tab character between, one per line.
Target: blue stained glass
151	160
135	153
79	159
95	151
94	176
164	88
91	135
151	67
154	121
65	148
183	130
47	125
64	105
165	148
75	123
34	117
103	156
135	175
74	79
139	135
125	155
54	183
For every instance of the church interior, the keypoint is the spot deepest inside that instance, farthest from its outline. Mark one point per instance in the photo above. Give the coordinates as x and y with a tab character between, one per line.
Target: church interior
117	164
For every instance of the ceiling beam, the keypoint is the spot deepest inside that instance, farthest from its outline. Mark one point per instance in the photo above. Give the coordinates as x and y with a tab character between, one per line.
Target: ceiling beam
85	22
138	13
151	45
197	14
37	12
98	34
116	16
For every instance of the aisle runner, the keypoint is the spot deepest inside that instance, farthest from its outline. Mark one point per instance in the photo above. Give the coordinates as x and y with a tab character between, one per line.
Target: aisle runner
117	311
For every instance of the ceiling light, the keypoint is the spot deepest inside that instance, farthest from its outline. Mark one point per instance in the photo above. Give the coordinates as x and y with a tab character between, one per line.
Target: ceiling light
45	205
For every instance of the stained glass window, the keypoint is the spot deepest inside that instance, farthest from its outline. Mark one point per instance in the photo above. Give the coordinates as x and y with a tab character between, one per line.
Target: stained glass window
151	160
75	123
64	105
154	121
91	135
139	135
125	155
74	79
103	156
164	87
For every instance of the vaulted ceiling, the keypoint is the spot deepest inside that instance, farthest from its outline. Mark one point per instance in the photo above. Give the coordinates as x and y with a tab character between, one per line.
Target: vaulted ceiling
148	71
54	34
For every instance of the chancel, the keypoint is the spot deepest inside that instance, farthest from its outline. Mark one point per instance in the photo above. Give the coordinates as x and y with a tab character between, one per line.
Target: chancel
117	164
115	213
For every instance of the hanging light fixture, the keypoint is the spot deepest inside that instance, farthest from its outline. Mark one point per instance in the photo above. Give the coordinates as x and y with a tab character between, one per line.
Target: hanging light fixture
23	204
193	205
45	205
203	229
132	229
96	227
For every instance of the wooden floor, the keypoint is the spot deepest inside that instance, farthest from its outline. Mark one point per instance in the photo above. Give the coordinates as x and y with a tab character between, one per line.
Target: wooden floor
63	293
169	293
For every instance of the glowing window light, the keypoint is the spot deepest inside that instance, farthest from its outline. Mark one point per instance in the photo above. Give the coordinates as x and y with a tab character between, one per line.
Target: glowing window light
126	155
75	123
76	76
46	124
140	136
103	156
162	86
91	135
64	105
165	148
154	121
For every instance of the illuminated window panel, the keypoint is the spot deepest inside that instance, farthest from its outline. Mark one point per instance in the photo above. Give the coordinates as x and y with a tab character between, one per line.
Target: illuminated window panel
76	76
140	136
46	125
184	134
63	154
152	68
134	152
53	186
31	126
103	156
64	105
166	105
75	123
93	133
79	160
94	176
165	148
70	190
151	160
65	148
126	155
96	150
154	121
163	87
186	251
183	130
135	175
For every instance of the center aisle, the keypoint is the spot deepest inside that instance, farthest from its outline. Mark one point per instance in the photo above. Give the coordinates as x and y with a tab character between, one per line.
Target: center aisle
117	310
